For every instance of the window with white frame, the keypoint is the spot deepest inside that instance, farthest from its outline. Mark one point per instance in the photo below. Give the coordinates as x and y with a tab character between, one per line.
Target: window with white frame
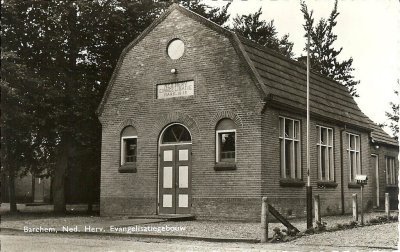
289	138
325	153
226	141
128	145
353	151
391	176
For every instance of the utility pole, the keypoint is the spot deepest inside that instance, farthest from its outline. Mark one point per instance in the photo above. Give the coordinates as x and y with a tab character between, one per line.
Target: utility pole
309	189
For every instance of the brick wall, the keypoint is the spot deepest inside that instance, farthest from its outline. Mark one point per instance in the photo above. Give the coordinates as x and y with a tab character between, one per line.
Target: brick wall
291	201
381	152
223	89
365	169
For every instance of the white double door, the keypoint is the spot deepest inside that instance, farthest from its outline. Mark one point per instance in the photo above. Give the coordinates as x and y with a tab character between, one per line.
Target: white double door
175	179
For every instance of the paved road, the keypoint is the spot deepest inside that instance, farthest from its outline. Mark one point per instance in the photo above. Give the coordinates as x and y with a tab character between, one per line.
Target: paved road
57	242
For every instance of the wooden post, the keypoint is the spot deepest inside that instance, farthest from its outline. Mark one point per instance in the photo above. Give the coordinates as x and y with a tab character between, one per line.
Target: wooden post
264	219
362	205
387	205
317	208
355	207
309	206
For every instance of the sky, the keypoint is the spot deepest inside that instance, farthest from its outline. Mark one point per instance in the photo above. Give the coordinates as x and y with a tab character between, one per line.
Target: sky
368	31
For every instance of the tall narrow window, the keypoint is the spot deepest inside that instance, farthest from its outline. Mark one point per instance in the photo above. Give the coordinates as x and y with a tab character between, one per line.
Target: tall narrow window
128	146
353	151
289	138
226	141
391	176
325	153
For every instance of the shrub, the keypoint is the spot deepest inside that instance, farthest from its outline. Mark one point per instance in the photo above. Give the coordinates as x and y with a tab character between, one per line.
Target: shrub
320	226
339	226
278	236
353	224
291	232
374	221
310	231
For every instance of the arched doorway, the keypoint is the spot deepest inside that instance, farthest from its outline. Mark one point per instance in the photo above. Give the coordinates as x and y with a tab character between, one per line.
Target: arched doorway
175	177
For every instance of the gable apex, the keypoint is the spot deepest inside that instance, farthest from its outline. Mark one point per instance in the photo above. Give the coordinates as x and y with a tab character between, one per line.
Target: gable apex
204	21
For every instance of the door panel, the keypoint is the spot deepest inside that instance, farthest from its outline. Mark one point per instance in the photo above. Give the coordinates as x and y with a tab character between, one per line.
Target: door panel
167	201
183	155
167	180
175	179
183	178
168	154
168	177
183	201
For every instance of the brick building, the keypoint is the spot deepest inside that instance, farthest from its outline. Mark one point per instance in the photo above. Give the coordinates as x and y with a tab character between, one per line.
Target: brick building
384	167
28	189
199	120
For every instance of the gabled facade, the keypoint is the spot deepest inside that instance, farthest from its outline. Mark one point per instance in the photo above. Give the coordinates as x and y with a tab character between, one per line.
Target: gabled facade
197	120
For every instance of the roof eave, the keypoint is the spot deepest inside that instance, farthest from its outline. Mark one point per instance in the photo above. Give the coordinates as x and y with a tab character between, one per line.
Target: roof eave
280	105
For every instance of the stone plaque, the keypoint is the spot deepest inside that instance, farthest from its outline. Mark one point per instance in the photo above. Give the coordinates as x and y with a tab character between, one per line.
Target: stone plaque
177	89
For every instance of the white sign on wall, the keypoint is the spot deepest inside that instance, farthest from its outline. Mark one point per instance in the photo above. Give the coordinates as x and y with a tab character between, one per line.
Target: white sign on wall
177	89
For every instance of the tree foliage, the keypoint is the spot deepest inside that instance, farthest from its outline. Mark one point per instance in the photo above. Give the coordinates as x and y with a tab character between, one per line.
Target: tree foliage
264	33
218	15
323	55
60	57
393	115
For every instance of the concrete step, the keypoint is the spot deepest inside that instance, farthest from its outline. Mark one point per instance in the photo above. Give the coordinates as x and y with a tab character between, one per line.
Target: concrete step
169	217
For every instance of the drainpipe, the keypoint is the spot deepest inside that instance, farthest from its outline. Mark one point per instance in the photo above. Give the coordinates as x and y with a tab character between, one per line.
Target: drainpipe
341	169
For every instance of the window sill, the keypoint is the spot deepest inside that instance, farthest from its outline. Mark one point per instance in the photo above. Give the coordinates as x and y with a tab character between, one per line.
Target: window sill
225	166
392	186
354	185
127	168
289	182
327	184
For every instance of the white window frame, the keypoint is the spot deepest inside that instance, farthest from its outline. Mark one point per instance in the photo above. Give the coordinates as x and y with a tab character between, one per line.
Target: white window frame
217	143
329	164
357	152
390	170
282	138
123	147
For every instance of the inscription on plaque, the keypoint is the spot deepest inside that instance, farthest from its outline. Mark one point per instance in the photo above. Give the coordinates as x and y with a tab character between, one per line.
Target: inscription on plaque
177	89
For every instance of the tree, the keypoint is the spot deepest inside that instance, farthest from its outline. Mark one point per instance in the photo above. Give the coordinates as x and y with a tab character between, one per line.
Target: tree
217	15
22	143
71	48
393	115
252	27
14	136
323	55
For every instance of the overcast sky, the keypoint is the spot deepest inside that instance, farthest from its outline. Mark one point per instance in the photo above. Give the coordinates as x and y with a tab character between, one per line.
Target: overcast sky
368	31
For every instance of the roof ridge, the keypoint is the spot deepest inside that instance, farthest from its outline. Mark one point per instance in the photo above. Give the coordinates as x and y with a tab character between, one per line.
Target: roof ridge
201	17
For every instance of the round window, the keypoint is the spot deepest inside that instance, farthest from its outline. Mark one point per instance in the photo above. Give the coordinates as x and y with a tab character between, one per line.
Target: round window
175	49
